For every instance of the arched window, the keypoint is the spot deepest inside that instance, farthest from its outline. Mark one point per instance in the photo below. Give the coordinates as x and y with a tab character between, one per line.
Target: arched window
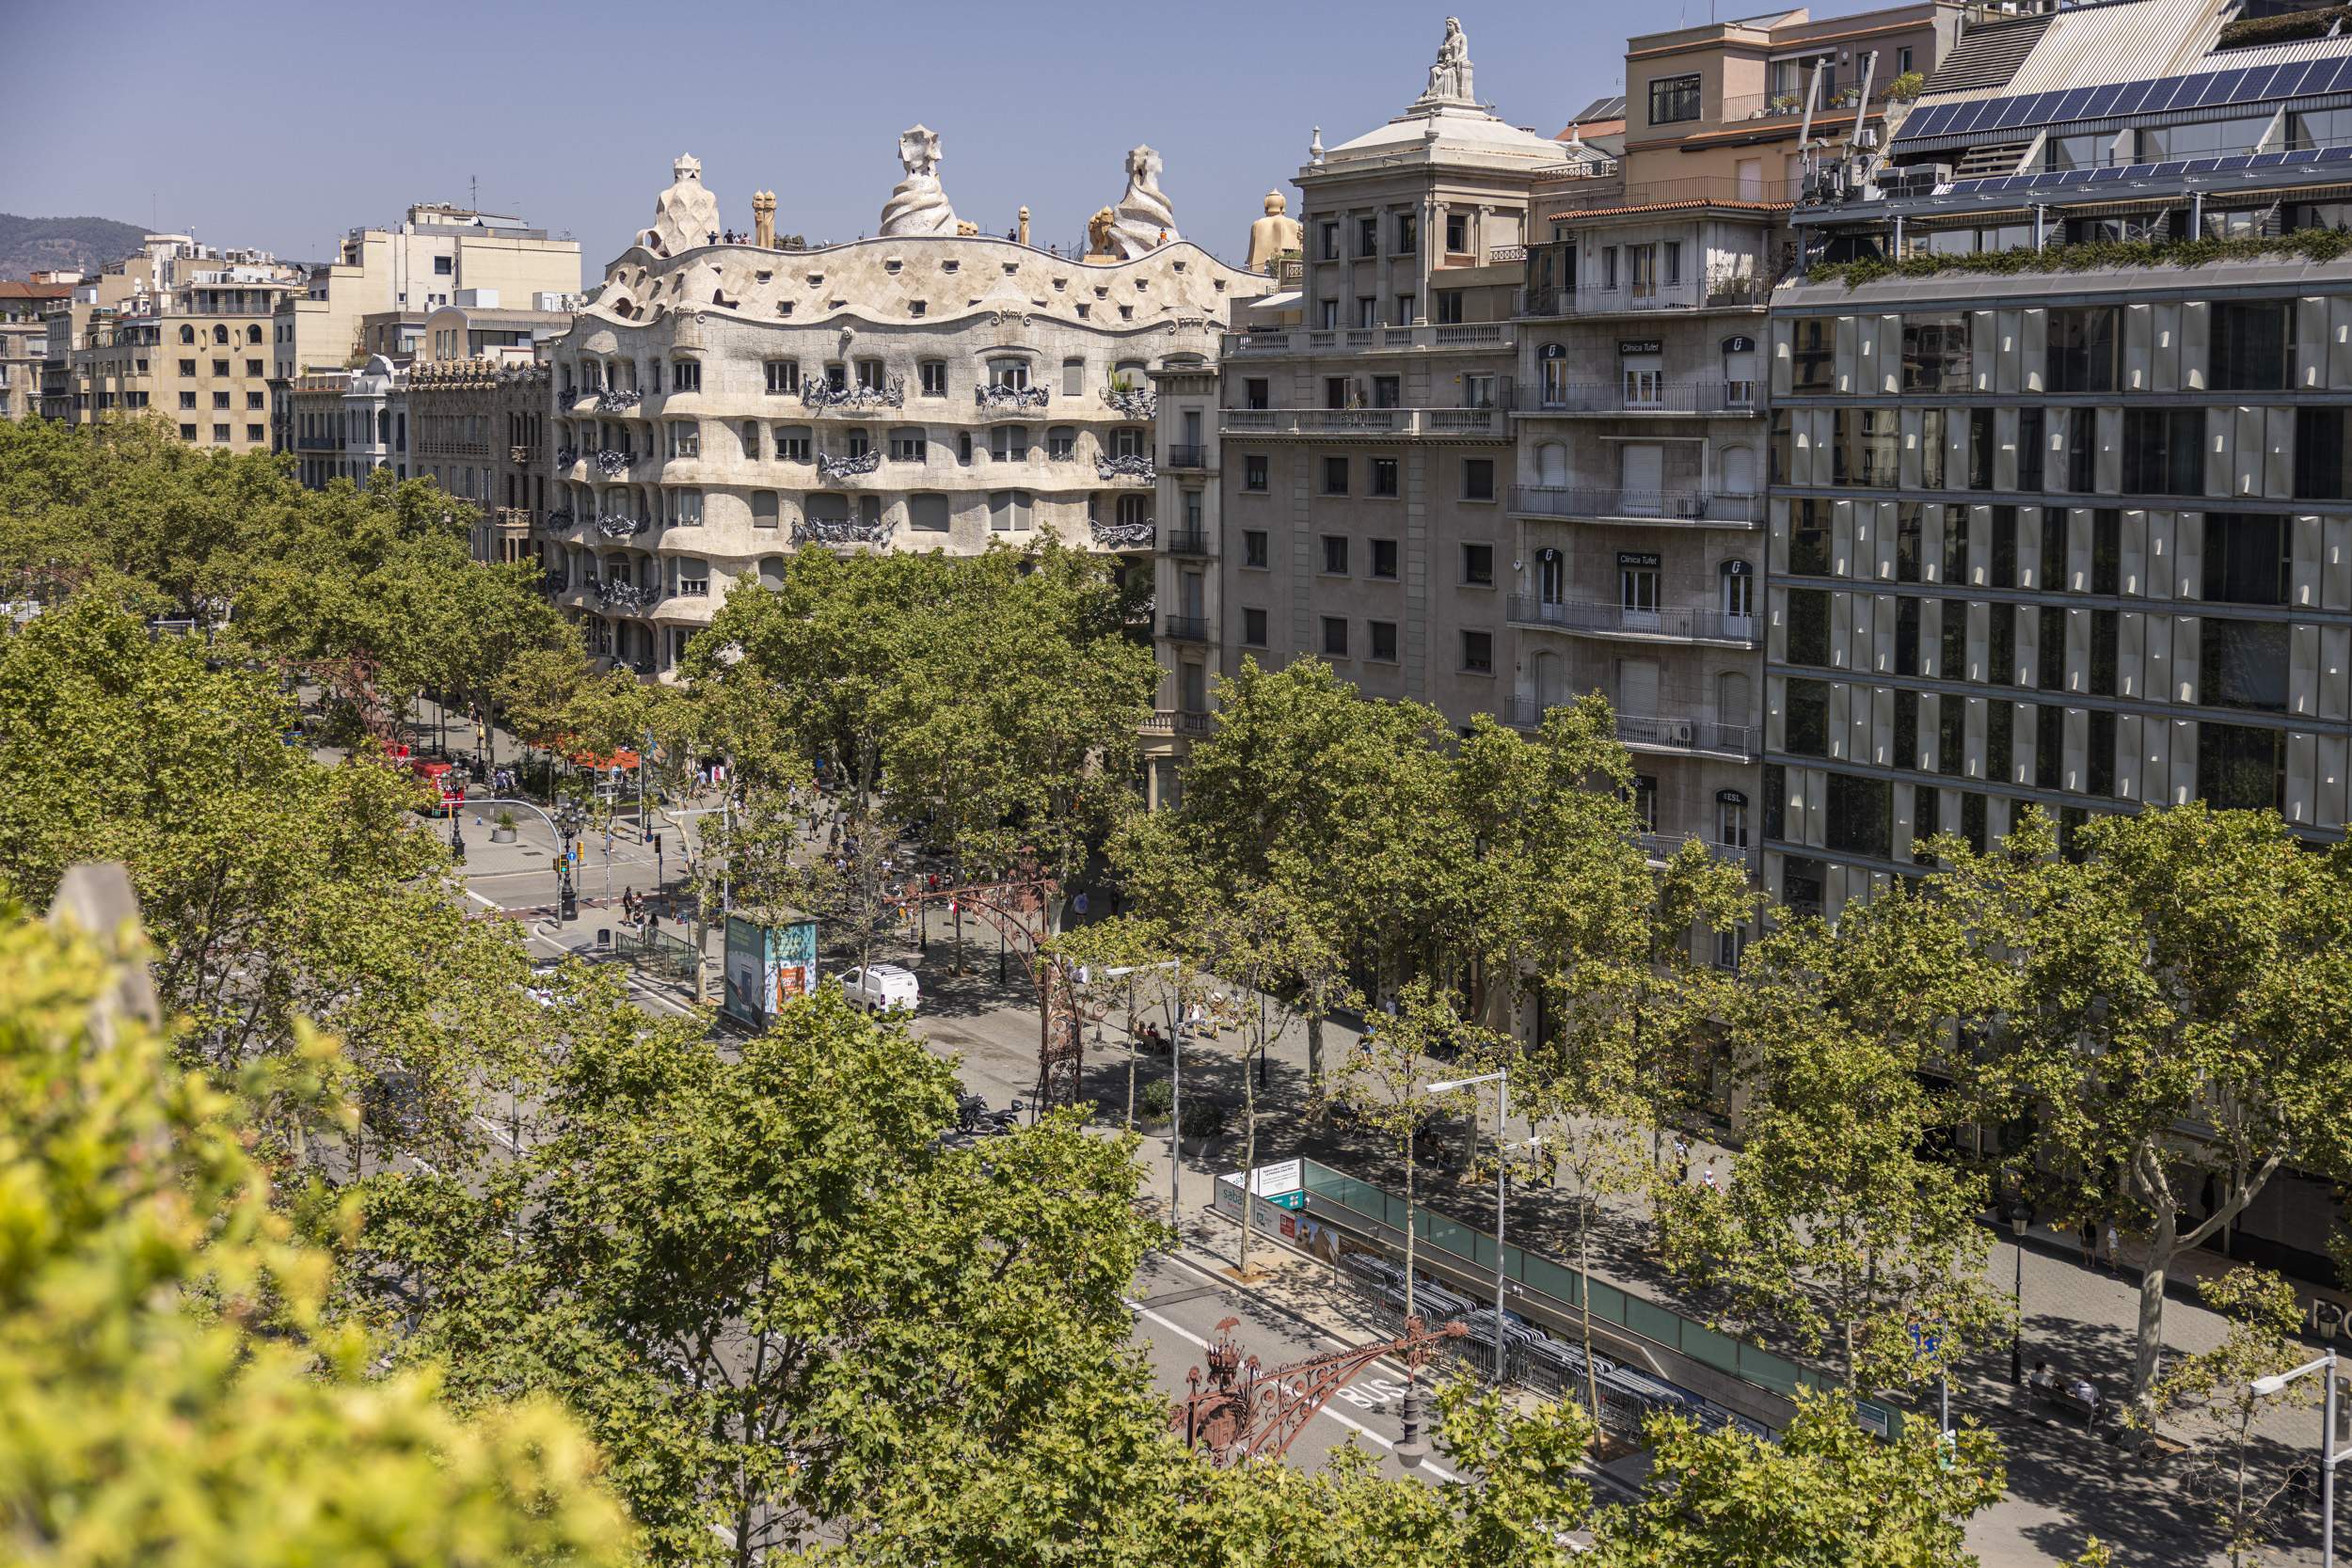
187	334
220	333
1553	361
252	333
1551	576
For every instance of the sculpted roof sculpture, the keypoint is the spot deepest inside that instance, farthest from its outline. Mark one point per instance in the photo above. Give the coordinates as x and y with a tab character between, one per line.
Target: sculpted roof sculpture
685	215
1143	220
918	205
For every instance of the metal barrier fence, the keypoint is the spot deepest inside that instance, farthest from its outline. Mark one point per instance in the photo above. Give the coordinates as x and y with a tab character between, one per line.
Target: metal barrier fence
1550	1294
656	952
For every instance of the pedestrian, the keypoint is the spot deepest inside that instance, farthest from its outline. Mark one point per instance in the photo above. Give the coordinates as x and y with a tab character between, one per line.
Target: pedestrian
1682	1160
2088	1234
2115	1254
1707	1175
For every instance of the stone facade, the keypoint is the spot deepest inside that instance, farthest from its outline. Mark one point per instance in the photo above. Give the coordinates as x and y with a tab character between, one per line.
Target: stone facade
719	406
478	428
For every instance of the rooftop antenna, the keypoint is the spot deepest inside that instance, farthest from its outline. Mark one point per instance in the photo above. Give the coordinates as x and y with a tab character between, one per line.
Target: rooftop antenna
473	192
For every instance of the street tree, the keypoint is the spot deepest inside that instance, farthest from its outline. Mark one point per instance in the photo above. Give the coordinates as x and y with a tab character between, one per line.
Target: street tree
1840	1222
783	1305
1384	1083
2182	966
2229	1469
1151	985
277	890
174	1392
1827	1492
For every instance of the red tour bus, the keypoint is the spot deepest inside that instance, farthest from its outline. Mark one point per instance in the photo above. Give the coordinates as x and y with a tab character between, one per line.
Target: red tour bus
449	790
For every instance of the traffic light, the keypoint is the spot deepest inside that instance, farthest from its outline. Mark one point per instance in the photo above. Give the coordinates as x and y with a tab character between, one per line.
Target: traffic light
656	844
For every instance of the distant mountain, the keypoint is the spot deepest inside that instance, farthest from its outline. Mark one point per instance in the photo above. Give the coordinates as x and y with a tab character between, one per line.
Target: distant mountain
83	245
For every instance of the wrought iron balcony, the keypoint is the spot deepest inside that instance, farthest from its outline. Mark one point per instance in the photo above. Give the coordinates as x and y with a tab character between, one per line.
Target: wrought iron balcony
1186	541
1123	537
998	399
522	457
613	594
830	468
1647	397
1665	846
841	531
554	583
824	395
1733	294
1663	507
566	456
612	400
1618	620
1671	734
560	518
1186	628
1137	403
613	464
1185	457
1132	466
620	525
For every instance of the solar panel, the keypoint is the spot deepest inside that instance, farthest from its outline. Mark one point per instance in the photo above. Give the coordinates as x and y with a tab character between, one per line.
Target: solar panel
2235	161
2129	98
2259	81
2013	111
2100	176
2300	155
1966	116
2071	104
2221	86
2266	160
2335	154
2100	99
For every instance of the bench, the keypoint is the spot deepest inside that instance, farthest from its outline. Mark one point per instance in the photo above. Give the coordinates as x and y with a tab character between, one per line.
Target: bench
2065	1401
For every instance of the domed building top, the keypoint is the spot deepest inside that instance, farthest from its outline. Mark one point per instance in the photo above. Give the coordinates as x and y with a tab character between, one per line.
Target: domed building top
1446	122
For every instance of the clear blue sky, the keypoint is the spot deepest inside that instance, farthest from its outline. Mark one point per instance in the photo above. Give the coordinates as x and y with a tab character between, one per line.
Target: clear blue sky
284	127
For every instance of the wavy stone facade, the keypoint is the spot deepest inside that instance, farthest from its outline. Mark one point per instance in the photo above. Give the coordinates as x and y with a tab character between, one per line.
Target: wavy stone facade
721	406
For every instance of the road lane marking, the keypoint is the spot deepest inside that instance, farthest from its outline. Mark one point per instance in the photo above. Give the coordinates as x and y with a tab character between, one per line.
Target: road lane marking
1178	1329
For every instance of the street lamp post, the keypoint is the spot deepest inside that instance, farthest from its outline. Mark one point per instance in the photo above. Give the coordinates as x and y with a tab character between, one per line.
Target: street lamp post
2330	1455
1500	1077
2019	1217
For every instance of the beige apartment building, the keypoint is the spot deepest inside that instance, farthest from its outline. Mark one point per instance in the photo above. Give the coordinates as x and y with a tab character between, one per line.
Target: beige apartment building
719	406
478	429
25	307
1361	451
377	295
179	330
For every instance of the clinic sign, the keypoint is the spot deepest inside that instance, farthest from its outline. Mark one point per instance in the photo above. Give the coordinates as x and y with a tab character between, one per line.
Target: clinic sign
767	966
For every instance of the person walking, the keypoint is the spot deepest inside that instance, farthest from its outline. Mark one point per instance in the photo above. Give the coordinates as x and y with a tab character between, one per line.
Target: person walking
2088	1234
1682	1160
1707	1175
2115	1253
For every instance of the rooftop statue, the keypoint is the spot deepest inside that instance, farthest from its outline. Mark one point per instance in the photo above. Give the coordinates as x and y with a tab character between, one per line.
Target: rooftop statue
1449	78
1273	236
917	205
1143	219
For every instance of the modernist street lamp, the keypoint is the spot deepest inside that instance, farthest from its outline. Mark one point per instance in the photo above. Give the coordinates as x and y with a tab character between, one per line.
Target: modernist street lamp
2330	1455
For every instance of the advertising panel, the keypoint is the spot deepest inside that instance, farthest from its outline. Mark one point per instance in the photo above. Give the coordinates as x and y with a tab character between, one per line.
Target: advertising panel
766	967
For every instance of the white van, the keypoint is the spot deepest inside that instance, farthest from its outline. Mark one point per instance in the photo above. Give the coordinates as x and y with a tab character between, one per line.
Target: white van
886	986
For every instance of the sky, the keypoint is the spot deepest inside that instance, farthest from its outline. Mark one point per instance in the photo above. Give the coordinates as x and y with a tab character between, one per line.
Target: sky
282	129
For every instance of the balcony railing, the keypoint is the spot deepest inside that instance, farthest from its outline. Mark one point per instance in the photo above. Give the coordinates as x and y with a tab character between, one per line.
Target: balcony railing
1125	466
1179	721
1379	340
1665	846
1123	537
624	595
619	525
1618	620
1681	507
1686	734
1484	420
1136	403
1646	397
1186	541
1009	400
823	394
1186	628
1688	190
566	456
842	531
560	518
1184	457
615	402
613	464
522	457
833	469
1740	294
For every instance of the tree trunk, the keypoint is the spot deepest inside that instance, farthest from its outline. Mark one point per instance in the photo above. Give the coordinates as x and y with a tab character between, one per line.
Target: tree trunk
2148	1349
1409	1223
1584	1290
1314	1042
